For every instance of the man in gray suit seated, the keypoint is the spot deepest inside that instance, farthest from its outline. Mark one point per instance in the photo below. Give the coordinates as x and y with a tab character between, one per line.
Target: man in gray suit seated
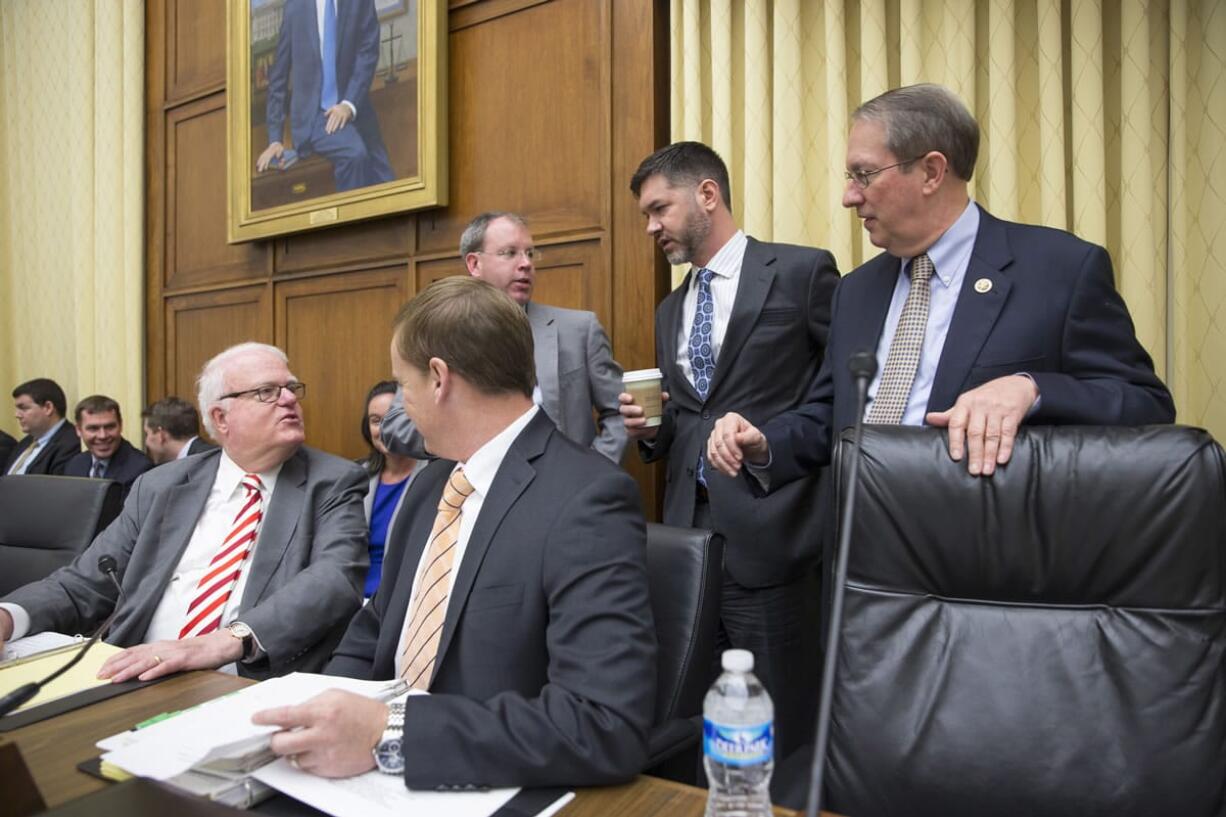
575	370
515	591
253	554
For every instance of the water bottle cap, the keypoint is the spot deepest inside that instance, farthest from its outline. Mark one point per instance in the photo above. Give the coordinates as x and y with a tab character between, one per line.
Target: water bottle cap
737	661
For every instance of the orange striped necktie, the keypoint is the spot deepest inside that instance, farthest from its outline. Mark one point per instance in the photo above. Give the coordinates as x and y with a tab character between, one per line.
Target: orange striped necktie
214	588
428	607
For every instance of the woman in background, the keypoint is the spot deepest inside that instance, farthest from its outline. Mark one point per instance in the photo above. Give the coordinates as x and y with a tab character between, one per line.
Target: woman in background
390	475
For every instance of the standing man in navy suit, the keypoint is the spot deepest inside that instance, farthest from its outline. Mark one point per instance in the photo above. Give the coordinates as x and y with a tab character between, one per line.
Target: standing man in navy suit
328	51
1020	324
107	454
745	331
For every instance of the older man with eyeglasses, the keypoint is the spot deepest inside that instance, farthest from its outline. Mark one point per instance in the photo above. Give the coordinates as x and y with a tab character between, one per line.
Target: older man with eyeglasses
249	558
576	374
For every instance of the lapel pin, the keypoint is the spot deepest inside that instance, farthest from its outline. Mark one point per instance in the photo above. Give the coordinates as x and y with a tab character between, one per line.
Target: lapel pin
983	285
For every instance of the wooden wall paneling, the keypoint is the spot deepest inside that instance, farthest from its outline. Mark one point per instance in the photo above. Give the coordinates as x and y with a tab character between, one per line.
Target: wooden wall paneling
196	53
530	121
197	253
336	330
364	244
200	325
155	197
640	274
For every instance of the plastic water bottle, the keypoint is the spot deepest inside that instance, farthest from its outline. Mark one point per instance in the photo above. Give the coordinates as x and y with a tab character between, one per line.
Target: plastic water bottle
738	740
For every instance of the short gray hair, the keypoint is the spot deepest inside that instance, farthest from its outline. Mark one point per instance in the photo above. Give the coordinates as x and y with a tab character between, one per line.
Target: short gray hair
211	384
926	117
473	237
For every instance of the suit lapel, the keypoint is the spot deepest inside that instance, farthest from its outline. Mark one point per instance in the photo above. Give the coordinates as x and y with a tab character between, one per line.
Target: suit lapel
757	275
545	355
514	475
975	312
277	529
878	290
181	511
673	316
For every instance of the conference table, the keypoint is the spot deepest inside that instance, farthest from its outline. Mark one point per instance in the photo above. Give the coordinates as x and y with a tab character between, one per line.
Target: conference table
53	748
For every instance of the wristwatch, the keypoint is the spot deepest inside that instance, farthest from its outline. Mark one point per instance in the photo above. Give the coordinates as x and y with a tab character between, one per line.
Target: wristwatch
388	755
244	634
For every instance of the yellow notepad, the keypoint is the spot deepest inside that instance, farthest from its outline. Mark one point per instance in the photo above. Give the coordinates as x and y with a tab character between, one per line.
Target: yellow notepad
81	677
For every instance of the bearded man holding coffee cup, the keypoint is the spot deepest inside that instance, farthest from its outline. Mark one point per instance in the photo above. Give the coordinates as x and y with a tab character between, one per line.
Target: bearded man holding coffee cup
745	332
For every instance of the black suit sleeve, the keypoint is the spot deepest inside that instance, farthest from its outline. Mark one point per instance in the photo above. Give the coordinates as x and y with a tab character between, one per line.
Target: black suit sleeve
588	725
1105	377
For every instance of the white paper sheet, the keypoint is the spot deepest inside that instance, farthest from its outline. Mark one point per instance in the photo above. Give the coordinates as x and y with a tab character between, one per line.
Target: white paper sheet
375	794
33	644
173	746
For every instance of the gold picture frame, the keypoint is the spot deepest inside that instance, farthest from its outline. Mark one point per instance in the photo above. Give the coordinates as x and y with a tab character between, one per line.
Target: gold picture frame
388	154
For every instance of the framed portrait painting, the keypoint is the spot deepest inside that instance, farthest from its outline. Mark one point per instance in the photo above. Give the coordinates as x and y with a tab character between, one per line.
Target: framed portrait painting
336	112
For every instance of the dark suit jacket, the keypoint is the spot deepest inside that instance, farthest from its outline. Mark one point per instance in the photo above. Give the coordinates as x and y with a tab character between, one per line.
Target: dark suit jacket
547	663
124	467
772	349
1052	312
62	447
297	66
7	444
199	446
305	580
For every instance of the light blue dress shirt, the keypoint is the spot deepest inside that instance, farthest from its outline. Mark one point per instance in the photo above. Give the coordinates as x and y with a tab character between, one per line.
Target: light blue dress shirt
950	255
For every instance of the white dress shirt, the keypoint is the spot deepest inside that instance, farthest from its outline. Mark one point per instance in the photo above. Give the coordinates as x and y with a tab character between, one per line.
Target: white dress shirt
480	471
183	452
726	264
226	499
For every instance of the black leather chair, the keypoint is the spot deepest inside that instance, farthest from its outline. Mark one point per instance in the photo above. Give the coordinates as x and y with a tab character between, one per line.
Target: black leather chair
684	570
46	521
1048	641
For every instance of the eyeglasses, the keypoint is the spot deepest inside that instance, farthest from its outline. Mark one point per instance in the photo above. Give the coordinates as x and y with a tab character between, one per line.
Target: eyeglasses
531	255
269	393
863	178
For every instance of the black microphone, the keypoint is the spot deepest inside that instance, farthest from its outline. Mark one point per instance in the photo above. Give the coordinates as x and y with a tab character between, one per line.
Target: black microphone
863	366
25	692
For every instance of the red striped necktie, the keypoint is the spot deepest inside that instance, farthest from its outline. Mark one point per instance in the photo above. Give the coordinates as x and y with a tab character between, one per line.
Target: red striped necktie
214	588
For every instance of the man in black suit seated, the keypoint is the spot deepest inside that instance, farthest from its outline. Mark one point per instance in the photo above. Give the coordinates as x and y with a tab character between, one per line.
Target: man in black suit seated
172	430
515	592
50	441
107	454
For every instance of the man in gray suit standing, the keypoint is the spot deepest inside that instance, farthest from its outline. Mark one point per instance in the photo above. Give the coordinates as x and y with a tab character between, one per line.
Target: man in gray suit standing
253	554
746	328
575	370
515	591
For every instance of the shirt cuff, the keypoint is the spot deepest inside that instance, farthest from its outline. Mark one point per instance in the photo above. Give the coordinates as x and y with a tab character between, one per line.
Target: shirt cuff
21	620
1038	395
761	473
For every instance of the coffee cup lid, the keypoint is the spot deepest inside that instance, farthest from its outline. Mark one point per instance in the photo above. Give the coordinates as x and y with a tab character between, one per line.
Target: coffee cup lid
640	375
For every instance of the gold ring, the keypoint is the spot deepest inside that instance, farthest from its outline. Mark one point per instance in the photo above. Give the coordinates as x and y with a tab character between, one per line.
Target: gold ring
157	659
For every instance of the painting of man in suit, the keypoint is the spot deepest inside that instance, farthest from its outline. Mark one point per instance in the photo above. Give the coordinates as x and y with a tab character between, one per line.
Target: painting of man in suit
335	71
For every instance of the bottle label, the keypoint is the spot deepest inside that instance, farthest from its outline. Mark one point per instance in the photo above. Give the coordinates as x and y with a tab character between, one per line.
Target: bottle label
738	745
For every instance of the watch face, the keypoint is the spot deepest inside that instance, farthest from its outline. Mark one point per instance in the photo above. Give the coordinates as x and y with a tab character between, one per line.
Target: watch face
388	756
239	629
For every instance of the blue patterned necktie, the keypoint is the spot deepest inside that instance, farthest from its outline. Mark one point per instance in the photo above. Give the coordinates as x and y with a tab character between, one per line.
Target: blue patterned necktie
327	94
98	470
702	355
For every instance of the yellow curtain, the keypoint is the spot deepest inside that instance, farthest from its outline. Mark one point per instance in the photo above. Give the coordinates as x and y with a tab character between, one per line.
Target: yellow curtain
72	200
1104	118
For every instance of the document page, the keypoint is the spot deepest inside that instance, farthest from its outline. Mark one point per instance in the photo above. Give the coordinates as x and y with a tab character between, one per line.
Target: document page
375	794
172	746
78	679
34	644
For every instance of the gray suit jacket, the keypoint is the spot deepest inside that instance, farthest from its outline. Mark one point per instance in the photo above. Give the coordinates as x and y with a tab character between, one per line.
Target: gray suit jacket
306	575
773	346
576	372
547	659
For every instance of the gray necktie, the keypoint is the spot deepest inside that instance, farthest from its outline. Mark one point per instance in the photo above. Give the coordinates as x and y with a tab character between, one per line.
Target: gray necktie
98	469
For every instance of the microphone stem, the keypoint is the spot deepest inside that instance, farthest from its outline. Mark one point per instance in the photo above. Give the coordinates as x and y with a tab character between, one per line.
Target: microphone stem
836	610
